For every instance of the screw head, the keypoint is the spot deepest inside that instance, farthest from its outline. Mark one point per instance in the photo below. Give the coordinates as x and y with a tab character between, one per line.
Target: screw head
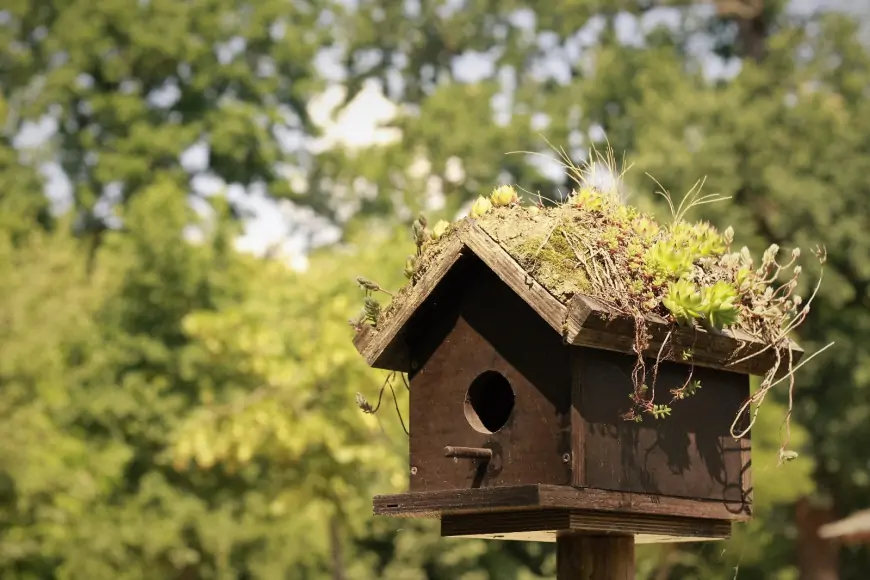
566	457
413	471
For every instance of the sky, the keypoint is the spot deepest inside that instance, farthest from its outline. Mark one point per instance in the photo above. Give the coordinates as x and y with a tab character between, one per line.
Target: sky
360	124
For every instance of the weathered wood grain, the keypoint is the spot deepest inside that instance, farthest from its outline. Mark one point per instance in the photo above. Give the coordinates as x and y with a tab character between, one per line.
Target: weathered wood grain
591	323
529	392
437	503
690	454
585	557
569	520
516	278
385	347
550	536
578	423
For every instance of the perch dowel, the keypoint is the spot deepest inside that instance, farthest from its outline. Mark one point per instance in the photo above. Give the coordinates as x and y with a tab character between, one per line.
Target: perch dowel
479	453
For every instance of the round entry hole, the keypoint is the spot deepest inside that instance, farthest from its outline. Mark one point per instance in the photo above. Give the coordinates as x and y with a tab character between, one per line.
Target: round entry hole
489	402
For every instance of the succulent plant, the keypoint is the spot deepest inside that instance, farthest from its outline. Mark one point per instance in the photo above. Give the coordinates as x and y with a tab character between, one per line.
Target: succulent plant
420	232
684	301
669	259
480	207
701	239
717	304
410	267
372	310
626	213
440	229
503	195
588	198
645	227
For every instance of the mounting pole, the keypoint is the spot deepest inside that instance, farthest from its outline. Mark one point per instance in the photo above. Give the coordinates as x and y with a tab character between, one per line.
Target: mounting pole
587	557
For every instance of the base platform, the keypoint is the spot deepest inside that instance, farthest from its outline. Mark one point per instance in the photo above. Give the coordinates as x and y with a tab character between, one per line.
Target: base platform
539	512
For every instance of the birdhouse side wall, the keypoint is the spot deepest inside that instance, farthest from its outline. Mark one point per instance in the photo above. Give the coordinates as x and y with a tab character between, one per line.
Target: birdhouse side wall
690	453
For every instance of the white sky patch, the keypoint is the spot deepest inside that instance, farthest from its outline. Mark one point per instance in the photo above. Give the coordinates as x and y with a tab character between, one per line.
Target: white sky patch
359	124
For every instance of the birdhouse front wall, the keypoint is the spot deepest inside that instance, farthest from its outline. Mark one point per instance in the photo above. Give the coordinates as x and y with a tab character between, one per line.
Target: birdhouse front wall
489	373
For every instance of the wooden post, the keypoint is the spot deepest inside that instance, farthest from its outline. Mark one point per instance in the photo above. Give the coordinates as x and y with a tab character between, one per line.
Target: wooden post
586	557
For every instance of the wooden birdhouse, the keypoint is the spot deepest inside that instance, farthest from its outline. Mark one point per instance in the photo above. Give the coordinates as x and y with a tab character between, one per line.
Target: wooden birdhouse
517	401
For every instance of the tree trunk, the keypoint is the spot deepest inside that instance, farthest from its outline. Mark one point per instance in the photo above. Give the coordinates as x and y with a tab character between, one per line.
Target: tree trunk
335	542
817	558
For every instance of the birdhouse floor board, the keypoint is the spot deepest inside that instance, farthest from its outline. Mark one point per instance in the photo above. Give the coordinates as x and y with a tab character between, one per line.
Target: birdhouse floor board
536	497
563	520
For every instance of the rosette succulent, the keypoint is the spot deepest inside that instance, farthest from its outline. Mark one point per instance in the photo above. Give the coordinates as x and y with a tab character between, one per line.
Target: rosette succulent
440	229
717	304
588	198
480	207
504	195
670	259
684	301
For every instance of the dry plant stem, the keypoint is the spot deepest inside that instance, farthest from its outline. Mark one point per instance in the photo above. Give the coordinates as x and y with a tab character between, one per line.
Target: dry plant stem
388	382
655	371
547	239
768	384
787	419
797	321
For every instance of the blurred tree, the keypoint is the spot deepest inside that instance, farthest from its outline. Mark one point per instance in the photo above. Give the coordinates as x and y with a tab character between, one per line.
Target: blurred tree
124	88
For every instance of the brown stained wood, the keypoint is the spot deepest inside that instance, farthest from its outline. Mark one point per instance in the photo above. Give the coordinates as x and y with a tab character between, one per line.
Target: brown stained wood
746	470
584	557
531	444
532	497
578	426
560	520
550	536
516	278
591	323
690	454
385	347
477	453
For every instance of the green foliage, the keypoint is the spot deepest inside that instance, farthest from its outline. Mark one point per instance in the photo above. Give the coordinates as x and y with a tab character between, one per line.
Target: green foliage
718	304
670	259
660	411
684	301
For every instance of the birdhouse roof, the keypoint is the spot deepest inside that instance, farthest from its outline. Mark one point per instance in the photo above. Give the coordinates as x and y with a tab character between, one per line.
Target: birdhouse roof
581	319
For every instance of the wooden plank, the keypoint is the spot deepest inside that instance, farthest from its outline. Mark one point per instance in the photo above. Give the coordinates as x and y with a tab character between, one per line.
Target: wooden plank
590	322
746	471
512	274
384	347
581	521
437	503
690	454
583	557
551	535
578	423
